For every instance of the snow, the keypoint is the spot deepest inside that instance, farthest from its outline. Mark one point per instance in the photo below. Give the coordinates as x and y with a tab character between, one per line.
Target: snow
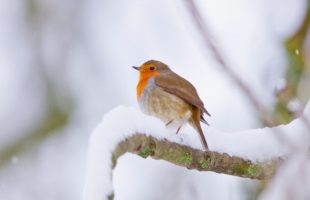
95	65
307	111
281	84
122	122
115	126
294	105
296	170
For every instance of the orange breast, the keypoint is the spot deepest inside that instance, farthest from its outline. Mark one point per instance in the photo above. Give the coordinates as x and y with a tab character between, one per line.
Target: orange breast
143	82
141	87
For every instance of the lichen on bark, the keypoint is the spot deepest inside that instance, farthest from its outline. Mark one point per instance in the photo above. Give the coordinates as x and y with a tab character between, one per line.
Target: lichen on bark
190	158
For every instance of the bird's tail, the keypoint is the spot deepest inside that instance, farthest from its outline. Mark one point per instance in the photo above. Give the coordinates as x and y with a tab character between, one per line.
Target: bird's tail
195	122
202	137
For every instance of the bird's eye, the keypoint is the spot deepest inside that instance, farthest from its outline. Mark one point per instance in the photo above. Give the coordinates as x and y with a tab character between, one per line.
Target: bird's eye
152	68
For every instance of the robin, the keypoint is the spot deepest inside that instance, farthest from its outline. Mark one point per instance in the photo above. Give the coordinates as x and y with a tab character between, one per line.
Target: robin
169	97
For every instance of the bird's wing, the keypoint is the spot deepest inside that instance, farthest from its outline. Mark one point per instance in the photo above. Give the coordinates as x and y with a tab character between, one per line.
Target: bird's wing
175	84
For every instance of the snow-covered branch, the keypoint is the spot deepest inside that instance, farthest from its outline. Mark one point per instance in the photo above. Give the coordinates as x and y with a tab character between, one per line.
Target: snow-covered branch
191	158
246	153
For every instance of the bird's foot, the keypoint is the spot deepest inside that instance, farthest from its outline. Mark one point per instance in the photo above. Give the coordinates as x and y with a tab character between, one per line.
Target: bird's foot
169	122
178	130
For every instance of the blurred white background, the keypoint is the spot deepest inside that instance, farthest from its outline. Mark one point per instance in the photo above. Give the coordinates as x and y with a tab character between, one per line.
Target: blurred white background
64	63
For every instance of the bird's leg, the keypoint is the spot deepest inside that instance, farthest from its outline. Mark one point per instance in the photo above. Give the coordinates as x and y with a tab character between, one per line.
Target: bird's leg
178	130
169	122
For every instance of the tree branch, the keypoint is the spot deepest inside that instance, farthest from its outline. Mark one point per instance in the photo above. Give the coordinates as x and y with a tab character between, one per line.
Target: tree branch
109	141
202	27
190	158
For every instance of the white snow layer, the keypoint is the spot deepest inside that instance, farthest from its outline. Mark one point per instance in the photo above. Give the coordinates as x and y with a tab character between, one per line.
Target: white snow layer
292	180
122	122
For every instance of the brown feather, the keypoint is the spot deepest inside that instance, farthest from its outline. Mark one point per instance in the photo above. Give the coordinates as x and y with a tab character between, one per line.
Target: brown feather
175	84
194	122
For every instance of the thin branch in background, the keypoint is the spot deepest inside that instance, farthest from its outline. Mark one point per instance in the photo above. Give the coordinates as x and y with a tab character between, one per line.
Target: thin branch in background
296	46
58	110
296	69
54	119
203	29
265	115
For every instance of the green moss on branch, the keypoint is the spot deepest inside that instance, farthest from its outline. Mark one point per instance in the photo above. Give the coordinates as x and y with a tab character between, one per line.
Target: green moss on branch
190	158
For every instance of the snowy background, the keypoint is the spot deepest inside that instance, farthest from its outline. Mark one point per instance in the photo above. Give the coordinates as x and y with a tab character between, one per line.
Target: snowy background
64	64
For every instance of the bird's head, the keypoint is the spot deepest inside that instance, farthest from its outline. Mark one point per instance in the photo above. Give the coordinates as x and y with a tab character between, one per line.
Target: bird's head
152	68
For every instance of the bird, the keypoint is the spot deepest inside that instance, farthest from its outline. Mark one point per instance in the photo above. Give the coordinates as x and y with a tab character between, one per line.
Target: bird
164	94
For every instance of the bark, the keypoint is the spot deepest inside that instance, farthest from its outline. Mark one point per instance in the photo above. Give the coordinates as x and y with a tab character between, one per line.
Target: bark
185	156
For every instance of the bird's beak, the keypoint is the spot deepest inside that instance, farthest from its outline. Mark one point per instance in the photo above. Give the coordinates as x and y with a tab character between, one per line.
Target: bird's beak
136	68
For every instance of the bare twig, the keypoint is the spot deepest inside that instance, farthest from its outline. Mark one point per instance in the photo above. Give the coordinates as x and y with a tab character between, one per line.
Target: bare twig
202	27
56	116
265	115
